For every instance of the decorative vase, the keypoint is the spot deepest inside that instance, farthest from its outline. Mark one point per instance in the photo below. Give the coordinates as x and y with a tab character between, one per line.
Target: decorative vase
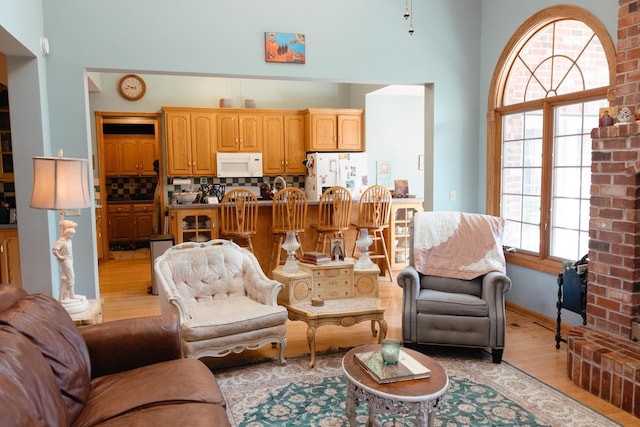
363	242
625	115
291	245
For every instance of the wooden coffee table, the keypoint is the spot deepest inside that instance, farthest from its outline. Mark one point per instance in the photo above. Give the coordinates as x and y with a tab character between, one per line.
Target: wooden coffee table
416	397
340	312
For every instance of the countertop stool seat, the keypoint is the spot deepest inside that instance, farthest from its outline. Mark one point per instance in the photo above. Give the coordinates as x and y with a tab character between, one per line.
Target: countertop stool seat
334	212
289	214
374	210
238	217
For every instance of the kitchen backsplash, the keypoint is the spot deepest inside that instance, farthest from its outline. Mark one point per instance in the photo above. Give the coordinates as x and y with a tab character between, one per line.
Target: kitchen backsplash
142	188
292	180
119	188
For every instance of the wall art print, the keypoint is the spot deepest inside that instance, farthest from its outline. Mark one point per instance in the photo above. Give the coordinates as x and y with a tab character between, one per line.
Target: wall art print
284	47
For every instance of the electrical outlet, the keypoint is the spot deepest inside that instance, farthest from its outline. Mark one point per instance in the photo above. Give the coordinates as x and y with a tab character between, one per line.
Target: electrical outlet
452	196
72	212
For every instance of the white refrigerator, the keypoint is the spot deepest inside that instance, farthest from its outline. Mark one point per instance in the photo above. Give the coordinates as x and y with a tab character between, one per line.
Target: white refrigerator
325	170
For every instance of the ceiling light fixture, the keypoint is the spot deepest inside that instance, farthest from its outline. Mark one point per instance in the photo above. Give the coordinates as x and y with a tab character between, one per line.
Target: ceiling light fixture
408	13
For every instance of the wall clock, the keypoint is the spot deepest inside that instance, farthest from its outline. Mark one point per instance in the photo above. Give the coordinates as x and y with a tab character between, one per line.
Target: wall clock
132	87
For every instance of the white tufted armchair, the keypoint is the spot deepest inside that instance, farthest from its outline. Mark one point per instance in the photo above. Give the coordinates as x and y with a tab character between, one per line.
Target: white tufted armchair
223	298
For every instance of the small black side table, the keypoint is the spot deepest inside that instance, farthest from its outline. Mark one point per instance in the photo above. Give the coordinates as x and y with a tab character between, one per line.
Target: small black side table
572	295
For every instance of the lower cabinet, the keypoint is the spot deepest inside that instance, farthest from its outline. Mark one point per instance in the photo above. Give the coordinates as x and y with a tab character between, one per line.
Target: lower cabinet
10	257
193	225
130	222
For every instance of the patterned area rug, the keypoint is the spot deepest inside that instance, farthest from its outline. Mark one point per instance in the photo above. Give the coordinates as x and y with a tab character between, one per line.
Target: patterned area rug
480	394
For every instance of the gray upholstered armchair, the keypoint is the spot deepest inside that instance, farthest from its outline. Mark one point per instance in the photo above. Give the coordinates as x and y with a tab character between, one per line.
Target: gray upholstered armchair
467	309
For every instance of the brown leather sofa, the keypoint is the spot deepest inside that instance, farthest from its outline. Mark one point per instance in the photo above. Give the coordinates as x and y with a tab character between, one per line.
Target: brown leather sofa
127	372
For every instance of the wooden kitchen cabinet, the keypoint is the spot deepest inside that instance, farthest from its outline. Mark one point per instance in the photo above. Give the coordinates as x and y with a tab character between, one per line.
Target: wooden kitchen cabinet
193	225
130	155
130	222
283	151
239	132
398	235
330	129
191	141
10	257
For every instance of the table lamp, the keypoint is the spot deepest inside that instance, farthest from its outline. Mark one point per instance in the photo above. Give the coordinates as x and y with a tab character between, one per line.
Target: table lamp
60	184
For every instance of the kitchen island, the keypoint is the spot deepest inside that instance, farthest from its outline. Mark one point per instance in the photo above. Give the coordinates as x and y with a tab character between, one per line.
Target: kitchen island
199	222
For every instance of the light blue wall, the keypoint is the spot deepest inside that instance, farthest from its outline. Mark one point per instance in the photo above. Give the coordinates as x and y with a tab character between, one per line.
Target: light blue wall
454	49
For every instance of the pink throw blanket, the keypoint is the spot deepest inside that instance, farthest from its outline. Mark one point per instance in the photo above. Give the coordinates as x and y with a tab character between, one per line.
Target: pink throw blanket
456	244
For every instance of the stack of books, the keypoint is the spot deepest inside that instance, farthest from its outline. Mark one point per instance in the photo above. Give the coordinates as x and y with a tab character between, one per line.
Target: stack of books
317	258
406	369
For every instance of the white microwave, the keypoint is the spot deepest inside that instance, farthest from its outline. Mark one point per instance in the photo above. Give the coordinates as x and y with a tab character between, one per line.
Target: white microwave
239	165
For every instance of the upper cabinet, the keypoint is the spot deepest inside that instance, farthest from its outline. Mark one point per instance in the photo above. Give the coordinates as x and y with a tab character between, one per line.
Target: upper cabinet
329	129
191	141
283	141
130	155
239	131
6	149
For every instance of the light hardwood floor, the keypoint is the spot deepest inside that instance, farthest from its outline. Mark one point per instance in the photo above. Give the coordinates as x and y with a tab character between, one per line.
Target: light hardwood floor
124	284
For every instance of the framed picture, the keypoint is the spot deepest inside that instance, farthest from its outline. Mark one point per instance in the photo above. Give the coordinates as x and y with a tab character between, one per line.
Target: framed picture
607	116
383	174
337	249
401	188
284	47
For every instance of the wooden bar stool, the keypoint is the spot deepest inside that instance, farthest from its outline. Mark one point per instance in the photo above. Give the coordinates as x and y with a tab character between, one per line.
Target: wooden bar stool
238	217
289	213
374	209
334	212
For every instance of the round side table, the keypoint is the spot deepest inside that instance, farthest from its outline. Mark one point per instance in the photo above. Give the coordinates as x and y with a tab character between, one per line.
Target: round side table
420	397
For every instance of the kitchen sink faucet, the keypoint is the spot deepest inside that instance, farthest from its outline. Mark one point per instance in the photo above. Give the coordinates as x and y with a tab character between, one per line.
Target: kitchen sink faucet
276	180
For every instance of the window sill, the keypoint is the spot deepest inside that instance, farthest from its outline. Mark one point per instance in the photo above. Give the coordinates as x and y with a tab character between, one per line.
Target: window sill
534	262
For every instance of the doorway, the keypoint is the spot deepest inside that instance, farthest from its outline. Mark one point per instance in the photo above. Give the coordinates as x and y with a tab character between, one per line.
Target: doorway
120	137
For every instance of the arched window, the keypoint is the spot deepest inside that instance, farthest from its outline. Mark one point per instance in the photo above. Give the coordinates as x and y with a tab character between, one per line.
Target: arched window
552	79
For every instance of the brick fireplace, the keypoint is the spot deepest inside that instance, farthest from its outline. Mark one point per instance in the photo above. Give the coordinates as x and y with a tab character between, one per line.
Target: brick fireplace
602	357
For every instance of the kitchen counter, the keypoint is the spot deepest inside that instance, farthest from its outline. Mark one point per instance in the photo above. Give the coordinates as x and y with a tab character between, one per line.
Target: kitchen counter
263	241
269	203
129	202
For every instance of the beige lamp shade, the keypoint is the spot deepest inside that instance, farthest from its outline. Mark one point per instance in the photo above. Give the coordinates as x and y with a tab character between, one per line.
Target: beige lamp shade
60	183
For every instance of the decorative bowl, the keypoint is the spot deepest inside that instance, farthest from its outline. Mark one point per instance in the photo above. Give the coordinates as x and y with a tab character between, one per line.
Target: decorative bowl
185	198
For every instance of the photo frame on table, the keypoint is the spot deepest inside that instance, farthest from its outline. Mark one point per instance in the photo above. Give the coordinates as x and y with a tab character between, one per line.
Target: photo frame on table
337	248
288	48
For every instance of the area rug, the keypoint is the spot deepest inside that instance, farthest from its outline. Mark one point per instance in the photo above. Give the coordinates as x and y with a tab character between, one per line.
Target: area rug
480	393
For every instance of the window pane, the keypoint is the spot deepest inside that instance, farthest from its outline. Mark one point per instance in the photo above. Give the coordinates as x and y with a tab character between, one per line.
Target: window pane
566	213
563	57
560	58
571	178
522	178
530	238
567	182
512	207
531	210
565	244
568	151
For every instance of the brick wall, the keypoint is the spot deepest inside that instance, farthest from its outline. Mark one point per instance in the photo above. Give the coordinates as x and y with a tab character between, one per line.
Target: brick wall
614	230
601	358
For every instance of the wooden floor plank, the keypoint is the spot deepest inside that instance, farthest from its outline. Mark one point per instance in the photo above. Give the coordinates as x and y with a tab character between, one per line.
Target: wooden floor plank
125	284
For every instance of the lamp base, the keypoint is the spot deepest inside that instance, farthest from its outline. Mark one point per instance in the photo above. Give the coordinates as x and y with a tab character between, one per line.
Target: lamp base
76	305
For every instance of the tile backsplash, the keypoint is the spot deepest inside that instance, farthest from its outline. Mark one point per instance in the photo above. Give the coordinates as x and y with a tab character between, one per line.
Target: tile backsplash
135	188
